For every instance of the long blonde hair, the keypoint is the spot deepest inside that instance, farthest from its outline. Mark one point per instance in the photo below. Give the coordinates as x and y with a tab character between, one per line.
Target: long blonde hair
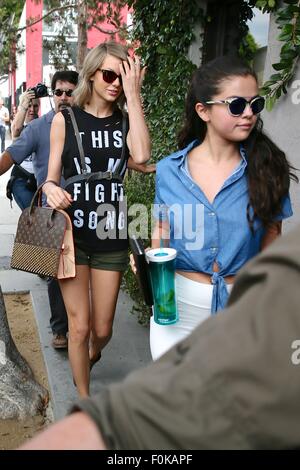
92	62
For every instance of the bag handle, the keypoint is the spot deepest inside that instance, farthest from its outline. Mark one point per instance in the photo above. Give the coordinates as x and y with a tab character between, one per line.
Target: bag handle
38	195
115	174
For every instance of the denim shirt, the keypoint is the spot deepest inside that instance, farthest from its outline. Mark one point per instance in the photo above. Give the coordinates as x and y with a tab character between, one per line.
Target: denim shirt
202	232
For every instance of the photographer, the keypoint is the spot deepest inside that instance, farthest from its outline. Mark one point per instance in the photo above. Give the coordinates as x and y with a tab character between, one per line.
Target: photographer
22	183
35	140
27	111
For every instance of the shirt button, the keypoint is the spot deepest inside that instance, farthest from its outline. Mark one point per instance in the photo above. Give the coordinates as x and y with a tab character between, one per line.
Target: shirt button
214	249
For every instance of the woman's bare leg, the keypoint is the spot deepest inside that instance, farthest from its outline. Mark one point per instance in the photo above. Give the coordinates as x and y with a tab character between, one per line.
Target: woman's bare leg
105	286
76	298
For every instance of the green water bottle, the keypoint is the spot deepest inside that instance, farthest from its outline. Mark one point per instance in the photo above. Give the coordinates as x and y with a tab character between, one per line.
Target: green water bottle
162	276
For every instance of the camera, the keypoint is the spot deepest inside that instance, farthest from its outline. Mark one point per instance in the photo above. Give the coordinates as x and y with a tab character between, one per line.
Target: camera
40	90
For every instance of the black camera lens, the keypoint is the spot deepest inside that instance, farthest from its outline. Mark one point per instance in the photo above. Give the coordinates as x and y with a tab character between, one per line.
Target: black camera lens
40	90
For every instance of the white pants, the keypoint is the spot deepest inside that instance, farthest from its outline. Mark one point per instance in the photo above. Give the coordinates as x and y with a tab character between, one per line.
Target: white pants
194	306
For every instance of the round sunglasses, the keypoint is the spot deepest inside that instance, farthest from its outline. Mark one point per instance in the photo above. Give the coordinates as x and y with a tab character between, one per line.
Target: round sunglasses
237	105
109	76
59	92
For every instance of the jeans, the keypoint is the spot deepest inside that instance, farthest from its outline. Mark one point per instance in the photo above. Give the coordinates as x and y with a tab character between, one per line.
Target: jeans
2	137
21	193
58	319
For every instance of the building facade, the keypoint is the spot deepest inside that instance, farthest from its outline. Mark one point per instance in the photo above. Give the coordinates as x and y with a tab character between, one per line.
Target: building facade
35	64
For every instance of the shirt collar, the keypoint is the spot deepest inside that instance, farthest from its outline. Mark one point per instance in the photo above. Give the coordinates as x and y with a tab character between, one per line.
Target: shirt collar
180	155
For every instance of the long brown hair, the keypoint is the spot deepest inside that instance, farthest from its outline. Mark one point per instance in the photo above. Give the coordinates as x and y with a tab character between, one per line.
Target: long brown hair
268	170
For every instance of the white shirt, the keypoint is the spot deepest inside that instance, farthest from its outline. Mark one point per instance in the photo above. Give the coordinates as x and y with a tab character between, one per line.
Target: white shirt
3	115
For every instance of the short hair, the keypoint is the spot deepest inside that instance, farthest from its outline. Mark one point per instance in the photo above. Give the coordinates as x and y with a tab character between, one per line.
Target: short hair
65	76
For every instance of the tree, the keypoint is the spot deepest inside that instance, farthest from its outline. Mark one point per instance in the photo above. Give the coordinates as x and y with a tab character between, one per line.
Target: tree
84	15
66	14
10	13
20	394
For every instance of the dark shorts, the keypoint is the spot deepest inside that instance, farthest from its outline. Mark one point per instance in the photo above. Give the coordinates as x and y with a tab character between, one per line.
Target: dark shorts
108	261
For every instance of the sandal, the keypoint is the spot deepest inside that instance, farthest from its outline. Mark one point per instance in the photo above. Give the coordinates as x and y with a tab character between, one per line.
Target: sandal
93	361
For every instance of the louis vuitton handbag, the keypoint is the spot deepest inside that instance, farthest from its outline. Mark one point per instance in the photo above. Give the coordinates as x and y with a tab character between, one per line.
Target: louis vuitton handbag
44	242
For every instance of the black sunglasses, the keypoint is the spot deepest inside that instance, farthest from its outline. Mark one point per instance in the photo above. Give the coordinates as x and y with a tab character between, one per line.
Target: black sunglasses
109	76
59	92
237	105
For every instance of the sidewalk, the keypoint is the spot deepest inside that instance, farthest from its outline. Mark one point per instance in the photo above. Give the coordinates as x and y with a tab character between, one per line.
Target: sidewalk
128	349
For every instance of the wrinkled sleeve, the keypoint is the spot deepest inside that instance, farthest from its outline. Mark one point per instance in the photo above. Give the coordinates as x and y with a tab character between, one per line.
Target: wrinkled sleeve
23	146
160	209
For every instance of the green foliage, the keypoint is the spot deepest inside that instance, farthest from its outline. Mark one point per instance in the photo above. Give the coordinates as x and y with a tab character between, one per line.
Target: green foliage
163	30
266	6
248	48
10	13
288	21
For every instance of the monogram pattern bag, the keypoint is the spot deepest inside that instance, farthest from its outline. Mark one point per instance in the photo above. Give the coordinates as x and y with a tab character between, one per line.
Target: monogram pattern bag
43	243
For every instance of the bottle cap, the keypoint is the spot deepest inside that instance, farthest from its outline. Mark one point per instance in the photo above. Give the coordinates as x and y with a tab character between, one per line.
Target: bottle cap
160	255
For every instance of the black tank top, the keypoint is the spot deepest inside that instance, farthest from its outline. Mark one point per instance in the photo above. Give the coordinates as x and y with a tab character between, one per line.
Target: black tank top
98	211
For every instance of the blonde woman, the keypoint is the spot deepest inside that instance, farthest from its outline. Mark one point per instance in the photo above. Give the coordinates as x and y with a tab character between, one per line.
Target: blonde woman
109	78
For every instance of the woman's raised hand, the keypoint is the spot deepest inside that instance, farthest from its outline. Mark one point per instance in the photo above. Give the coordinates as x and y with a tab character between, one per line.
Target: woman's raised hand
132	76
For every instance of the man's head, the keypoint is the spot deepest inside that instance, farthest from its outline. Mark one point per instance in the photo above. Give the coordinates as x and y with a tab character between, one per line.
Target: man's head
62	85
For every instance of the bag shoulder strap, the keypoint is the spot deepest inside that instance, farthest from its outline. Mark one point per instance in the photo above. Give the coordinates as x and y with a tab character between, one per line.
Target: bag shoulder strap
79	143
116	173
100	175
